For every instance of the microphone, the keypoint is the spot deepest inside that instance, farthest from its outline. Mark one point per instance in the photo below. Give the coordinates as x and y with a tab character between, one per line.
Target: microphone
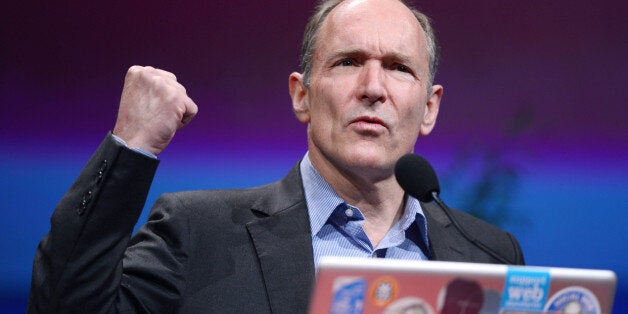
418	179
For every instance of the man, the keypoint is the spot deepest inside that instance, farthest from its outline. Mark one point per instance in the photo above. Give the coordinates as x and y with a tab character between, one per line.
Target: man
365	94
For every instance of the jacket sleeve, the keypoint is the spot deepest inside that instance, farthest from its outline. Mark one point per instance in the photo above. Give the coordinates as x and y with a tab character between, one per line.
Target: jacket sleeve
78	264
517	252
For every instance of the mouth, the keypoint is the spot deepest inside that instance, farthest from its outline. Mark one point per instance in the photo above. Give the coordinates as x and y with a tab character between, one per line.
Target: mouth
369	122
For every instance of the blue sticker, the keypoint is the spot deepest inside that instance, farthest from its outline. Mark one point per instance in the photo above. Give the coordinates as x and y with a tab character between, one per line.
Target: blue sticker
573	300
525	289
348	295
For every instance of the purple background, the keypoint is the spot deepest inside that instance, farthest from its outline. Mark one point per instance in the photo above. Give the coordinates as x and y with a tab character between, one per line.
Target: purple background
563	62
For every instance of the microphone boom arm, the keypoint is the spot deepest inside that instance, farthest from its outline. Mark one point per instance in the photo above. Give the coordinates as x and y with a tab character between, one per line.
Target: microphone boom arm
465	234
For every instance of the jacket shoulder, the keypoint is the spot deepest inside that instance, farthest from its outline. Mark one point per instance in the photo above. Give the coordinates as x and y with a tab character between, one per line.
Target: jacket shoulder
479	240
503	243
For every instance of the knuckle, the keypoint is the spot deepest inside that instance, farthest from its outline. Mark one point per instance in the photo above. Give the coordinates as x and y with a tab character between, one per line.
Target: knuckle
193	106
158	82
181	110
171	75
171	97
169	88
133	71
134	68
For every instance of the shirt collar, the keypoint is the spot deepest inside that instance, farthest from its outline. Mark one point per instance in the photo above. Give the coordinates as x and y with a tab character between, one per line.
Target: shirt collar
322	200
320	197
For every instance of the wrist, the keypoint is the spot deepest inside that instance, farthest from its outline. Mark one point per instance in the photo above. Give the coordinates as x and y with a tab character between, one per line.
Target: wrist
133	147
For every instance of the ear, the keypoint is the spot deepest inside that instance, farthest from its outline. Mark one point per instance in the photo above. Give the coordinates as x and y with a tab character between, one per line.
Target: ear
298	93
431	110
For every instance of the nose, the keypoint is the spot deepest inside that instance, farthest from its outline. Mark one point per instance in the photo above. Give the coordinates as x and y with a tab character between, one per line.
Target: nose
372	80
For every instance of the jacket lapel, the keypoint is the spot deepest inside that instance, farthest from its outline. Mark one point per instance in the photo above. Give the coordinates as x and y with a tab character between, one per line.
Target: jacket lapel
445	243
283	243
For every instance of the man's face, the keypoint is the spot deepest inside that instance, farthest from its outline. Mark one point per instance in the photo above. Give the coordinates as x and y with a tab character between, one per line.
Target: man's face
367	102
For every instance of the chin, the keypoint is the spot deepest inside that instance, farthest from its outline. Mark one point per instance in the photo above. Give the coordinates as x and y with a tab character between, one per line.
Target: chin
371	160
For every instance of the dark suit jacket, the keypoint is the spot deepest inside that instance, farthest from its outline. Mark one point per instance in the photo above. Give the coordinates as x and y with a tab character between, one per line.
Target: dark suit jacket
231	251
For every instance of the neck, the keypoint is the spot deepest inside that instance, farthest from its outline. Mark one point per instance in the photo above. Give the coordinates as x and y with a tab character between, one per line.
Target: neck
374	191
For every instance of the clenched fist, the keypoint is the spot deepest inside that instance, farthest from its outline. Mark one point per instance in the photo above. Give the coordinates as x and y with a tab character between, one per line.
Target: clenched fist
153	107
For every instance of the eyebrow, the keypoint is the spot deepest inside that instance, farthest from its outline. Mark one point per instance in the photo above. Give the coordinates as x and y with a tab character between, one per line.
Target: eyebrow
398	57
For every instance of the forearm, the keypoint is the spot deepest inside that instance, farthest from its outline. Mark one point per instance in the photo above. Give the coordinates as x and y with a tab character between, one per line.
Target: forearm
78	264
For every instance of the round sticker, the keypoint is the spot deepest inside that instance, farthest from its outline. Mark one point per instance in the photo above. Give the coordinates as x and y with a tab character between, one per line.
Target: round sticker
383	291
573	300
408	305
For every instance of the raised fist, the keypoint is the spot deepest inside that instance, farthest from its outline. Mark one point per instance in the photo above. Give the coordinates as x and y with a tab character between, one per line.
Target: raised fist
153	107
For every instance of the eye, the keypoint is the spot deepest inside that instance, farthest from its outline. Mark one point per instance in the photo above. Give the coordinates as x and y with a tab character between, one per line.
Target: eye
346	62
402	68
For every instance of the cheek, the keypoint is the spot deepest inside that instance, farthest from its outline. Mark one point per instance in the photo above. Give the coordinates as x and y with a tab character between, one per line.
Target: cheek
411	116
417	113
329	103
411	126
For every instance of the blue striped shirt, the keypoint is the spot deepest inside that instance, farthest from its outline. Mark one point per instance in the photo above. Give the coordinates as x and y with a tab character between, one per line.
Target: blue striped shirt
337	226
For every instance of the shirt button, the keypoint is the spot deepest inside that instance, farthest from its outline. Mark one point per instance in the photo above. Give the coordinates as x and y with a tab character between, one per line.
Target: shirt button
349	212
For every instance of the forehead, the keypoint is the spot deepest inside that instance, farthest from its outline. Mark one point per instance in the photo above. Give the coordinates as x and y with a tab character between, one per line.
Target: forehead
377	26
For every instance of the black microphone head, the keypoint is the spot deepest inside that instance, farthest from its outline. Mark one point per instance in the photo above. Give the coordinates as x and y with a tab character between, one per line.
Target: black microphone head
417	177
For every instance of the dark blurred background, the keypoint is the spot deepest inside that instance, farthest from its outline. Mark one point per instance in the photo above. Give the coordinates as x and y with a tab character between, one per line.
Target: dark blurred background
531	135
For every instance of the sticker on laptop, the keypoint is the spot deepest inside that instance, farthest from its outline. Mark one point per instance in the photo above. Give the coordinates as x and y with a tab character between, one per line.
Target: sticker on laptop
383	291
409	305
573	300
525	289
348	295
460	295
